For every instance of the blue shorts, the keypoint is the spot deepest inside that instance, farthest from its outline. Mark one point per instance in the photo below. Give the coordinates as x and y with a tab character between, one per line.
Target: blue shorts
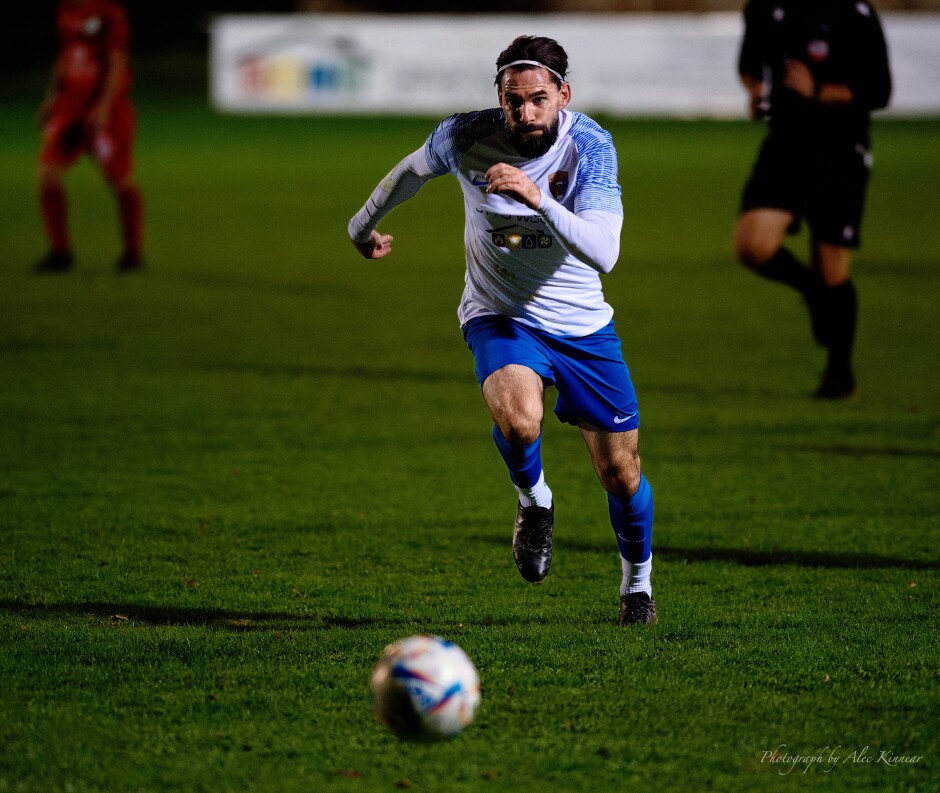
589	372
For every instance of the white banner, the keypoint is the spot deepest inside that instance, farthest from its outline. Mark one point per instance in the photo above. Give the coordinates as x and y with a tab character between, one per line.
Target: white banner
674	65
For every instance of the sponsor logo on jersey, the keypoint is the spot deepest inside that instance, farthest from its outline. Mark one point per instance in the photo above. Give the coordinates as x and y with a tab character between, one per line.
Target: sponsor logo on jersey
519	238
558	184
478	179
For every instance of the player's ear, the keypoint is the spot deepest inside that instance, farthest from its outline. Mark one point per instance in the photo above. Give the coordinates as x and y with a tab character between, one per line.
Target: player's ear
565	94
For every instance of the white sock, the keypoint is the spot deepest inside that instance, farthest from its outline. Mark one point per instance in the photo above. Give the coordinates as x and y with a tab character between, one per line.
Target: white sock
636	577
539	494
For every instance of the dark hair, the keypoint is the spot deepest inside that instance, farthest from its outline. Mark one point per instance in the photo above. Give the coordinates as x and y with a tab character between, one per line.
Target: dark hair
546	51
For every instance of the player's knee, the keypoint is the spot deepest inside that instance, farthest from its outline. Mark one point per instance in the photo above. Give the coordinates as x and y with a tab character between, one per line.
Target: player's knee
49	176
753	252
834	265
117	182
754	255
521	428
620	478
748	251
516	407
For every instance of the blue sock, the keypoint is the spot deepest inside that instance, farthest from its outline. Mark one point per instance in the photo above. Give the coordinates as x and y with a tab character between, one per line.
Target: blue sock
524	462
633	522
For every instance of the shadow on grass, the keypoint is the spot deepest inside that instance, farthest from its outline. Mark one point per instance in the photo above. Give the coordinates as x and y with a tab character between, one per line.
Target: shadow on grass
224	619
751	558
747	557
115	615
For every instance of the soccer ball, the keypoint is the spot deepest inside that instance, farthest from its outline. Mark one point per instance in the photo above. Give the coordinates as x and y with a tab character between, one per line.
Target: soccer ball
425	688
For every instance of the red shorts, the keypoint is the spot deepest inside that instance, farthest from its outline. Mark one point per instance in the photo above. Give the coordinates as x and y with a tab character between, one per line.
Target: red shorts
66	137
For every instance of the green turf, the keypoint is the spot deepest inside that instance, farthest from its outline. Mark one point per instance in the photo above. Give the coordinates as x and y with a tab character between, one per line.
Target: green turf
227	482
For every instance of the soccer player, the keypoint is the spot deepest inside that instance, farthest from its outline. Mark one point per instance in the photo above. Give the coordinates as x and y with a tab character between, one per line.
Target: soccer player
543	221
88	110
815	70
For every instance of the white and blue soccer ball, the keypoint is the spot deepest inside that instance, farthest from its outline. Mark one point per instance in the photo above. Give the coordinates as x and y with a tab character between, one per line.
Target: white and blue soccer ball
425	688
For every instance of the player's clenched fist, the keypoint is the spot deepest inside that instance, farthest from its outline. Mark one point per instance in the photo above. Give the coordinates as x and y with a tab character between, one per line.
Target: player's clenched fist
377	246
513	182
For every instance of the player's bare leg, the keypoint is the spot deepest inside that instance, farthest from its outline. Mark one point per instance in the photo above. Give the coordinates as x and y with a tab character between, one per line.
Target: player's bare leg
514	395
758	244
515	398
759	235
616	459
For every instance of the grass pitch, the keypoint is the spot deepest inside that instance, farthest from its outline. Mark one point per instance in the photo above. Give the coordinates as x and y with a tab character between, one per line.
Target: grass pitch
227	482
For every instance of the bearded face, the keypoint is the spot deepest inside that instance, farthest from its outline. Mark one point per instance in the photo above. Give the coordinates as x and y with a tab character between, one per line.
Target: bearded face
533	140
532	101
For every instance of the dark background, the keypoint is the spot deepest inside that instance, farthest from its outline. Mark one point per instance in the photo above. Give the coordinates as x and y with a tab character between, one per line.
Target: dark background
170	39
27	35
29	39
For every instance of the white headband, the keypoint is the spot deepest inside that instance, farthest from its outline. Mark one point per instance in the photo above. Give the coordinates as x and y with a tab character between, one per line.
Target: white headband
529	63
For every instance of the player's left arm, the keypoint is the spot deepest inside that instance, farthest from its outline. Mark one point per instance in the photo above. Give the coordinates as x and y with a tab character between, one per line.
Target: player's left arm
117	36
118	64
591	235
52	88
871	83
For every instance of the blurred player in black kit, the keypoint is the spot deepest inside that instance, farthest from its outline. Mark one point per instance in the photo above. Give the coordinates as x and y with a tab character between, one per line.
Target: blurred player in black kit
815	69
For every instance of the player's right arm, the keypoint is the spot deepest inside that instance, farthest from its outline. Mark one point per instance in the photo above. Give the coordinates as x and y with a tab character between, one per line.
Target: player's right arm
48	101
756	94
403	182
377	246
753	65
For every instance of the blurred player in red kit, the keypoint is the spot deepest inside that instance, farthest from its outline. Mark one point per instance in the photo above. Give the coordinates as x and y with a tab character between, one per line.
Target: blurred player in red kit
88	111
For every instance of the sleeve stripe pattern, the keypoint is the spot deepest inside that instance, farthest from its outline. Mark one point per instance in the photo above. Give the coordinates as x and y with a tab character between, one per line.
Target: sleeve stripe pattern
454	136
597	167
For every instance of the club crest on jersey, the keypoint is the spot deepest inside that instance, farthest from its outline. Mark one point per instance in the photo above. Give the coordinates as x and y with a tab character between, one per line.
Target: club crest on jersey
558	184
92	25
818	50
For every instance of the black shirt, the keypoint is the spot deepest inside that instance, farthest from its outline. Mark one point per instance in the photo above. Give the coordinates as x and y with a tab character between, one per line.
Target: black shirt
841	41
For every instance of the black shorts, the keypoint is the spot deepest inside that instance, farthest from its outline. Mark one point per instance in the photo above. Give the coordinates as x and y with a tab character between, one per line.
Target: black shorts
823	184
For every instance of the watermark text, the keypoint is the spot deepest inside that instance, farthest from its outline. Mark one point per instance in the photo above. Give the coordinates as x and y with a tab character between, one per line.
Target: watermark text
831	757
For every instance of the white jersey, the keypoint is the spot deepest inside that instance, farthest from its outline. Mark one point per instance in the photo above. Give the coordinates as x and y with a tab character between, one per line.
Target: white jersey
541	267
516	265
